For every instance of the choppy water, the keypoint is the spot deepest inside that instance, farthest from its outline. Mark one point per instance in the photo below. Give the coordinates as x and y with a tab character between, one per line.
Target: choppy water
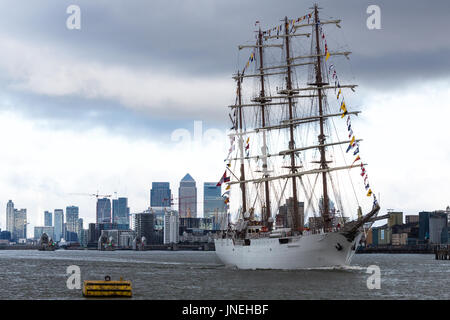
27	274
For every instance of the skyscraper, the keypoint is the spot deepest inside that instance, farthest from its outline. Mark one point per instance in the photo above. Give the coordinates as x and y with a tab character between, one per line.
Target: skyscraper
121	213
213	202
104	210
10	222
160	194
20	224
187	197
48	219
71	232
72	219
59	224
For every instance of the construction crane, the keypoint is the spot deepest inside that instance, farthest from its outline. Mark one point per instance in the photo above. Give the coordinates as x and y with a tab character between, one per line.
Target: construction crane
97	196
93	195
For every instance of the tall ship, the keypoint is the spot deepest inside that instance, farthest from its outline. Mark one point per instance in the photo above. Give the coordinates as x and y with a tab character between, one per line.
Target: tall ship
296	185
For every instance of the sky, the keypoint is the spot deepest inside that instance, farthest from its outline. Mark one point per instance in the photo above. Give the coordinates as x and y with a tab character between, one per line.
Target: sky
139	95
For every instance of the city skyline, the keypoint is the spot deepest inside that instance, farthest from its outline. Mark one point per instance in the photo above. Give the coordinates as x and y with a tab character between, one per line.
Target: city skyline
118	96
122	202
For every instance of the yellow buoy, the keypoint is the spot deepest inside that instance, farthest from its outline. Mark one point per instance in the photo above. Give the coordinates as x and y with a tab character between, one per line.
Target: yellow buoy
107	288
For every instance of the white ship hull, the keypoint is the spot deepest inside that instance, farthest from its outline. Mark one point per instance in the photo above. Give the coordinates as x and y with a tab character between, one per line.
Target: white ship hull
300	252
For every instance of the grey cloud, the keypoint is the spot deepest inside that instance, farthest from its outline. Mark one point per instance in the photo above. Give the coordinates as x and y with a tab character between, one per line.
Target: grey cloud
200	38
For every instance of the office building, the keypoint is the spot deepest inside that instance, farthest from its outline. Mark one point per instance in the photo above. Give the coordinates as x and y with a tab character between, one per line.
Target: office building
83	237
58	219
104	211
171	227
213	202
159	216
10	221
5	235
20	224
144	225
160	195
187	197
93	234
72	219
121	213
48	219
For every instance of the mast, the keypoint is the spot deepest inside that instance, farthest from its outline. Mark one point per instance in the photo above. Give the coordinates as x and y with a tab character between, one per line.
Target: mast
323	161
296	225
262	99
241	145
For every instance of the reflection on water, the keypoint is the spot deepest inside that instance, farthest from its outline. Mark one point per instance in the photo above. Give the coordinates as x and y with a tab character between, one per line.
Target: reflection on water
27	274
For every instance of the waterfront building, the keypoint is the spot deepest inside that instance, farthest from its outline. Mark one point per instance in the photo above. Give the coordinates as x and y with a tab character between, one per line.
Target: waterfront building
121	213
399	239
58	218
411	219
143	225
189	223
120	238
16	222
381	235
197	236
213	202
160	195
408	230
72	220
171	227
39	231
375	232
5	235
103	213
93	234
83	237
187	197
20	224
48	219
10	221
159	216
433	227
385	235
395	218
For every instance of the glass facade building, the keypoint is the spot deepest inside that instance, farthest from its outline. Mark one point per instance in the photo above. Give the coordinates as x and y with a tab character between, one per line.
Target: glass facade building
104	210
48	219
160	194
59	224
213	202
121	213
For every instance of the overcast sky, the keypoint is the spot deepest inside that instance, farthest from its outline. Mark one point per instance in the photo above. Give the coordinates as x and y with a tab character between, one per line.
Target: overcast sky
96	108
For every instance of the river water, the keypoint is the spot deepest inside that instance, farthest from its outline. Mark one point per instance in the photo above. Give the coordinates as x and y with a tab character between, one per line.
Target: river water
29	274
